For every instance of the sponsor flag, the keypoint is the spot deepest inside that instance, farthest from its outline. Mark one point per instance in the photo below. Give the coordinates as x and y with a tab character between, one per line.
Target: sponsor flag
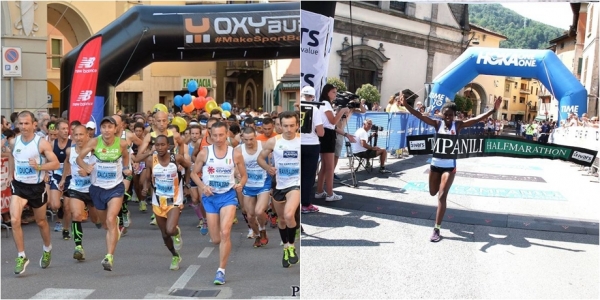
85	79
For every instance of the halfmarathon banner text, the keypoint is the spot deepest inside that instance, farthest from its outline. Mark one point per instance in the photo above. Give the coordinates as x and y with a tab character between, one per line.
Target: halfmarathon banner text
465	146
315	49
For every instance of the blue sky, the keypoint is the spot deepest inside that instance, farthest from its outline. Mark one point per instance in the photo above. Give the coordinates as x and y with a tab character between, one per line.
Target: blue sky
557	14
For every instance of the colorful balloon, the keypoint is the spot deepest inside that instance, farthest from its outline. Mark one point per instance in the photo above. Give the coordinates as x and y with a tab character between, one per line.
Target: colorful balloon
226	106
160	107
199	102
202	92
187	99
180	123
227	114
192	86
178	100
188	108
210	105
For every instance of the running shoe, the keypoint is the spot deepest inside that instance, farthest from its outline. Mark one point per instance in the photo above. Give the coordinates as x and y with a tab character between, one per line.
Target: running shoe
292	256
333	197
264	240
143	206
257	243
46	259
175	263
337	178
309	209
204	229
383	170
177	240
58	227
153	222
153	216
436	237
285	261
22	263
219	278
251	234
66	235
235	220
79	254
127	219
107	262
200	223
273	220
320	195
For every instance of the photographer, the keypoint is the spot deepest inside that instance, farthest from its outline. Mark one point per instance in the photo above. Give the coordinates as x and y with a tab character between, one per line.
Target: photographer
328	94
362	148
311	129
350	102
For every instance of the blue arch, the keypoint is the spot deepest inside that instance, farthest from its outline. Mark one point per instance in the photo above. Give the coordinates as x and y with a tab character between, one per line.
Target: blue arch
543	65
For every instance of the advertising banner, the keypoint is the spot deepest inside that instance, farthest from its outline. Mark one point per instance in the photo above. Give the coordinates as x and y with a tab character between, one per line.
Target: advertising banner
85	79
241	29
465	146
314	50
5	186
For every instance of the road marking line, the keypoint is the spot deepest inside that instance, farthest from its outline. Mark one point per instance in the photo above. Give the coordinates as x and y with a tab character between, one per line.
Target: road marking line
206	252
185	277
52	293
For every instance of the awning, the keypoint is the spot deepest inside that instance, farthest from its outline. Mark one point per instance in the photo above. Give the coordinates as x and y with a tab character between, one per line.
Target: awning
276	94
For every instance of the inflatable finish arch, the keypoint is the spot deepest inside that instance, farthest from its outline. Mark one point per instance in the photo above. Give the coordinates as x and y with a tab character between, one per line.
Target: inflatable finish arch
147	34
543	65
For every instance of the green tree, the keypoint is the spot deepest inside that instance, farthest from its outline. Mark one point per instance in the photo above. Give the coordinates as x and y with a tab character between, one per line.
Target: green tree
338	83
463	104
369	93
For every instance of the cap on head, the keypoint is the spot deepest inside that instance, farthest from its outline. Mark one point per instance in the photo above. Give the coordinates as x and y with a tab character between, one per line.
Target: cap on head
308	90
108	119
90	125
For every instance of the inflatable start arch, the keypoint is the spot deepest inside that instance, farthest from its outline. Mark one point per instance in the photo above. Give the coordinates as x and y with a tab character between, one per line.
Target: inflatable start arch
543	65
147	34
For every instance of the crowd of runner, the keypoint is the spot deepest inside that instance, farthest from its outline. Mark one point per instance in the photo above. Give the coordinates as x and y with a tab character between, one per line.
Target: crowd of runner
212	161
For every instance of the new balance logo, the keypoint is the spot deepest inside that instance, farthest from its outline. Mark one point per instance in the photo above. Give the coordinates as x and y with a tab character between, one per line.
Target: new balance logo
85	95
86	63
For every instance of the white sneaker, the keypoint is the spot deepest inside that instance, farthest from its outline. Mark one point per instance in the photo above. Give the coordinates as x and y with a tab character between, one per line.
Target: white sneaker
334	197
321	195
251	234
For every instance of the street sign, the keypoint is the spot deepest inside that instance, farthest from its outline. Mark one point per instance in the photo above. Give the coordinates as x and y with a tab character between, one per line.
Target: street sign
11	62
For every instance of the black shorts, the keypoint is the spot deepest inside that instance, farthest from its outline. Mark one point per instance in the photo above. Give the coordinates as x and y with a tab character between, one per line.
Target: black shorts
85	197
279	195
366	154
35	194
328	141
443	170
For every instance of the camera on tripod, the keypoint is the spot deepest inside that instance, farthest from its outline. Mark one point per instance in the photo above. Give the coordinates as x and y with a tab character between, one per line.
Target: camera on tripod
346	99
376	128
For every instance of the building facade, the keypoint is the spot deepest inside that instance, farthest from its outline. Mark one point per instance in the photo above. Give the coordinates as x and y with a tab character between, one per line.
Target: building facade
395	45
46	31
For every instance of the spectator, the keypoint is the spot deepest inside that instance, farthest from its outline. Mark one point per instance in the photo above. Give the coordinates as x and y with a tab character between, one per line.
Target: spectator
362	148
310	149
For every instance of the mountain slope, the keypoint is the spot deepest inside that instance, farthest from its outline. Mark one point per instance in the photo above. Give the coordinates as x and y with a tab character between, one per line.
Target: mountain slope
522	33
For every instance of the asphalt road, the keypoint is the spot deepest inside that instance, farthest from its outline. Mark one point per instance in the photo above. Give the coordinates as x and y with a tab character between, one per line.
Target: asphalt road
141	265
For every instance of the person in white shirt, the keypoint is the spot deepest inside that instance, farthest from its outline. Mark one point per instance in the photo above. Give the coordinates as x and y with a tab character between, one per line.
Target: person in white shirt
362	148
311	128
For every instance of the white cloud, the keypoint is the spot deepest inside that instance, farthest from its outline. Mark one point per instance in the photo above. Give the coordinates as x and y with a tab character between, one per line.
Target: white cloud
557	14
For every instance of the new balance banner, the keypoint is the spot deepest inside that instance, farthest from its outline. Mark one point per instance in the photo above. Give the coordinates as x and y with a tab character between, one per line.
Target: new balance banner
316	34
241	29
85	78
464	146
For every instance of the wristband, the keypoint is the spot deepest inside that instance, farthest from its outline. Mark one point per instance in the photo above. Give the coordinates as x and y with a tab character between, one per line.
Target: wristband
39	168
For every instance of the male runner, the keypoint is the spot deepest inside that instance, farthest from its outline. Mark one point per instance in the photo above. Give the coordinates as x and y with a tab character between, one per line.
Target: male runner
132	139
257	189
167	195
59	182
267	133
108	165
32	158
196	140
79	189
286	196
219	193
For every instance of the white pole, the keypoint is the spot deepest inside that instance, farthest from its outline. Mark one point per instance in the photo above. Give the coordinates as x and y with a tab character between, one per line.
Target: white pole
12	94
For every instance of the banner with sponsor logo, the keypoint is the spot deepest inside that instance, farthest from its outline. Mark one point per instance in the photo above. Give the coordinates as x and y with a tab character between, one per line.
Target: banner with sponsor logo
241	29
315	48
543	65
465	146
85	79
